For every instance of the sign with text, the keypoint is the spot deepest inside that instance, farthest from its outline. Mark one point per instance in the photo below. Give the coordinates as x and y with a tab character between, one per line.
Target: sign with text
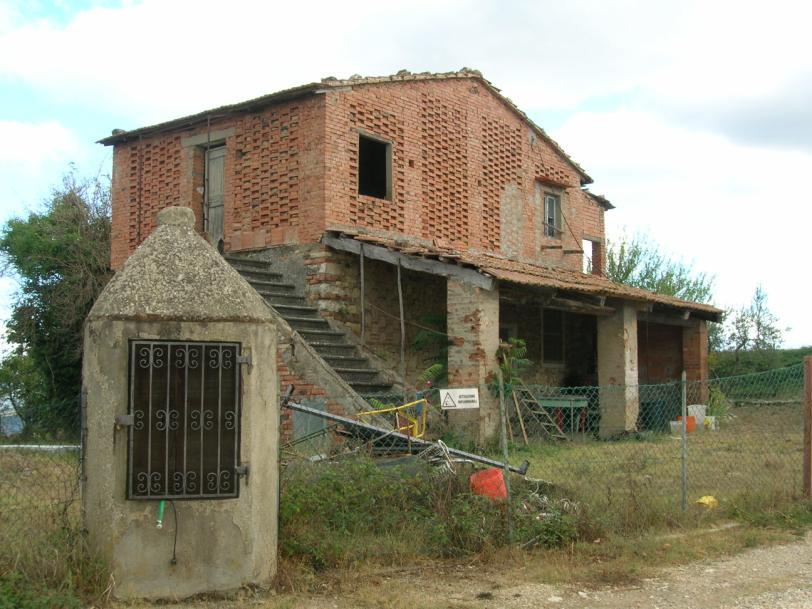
457	399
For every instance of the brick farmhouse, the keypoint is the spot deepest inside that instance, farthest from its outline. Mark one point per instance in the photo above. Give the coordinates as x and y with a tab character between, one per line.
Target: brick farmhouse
369	211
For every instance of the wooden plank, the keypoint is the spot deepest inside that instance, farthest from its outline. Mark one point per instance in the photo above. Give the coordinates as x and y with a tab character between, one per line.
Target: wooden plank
433	267
576	306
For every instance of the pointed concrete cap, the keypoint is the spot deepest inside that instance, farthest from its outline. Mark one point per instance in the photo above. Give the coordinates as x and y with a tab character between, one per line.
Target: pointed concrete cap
176	275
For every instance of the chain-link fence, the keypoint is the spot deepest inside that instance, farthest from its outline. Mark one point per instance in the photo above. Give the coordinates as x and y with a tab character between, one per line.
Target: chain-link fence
628	457
39	482
633	456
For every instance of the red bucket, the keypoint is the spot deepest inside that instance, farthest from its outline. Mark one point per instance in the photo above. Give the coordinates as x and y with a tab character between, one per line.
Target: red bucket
489	483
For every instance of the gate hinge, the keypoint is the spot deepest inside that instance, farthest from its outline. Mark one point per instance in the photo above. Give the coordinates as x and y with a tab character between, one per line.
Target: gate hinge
246	359
125	420
242	471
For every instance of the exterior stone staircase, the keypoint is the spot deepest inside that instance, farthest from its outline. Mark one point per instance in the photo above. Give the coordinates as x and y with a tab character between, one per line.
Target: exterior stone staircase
334	347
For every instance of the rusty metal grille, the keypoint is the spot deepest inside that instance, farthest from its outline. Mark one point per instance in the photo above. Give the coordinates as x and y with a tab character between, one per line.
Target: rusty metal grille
185	420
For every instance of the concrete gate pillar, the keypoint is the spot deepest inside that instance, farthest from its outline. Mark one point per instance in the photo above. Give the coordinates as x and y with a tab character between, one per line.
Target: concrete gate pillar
473	330
617	371
180	396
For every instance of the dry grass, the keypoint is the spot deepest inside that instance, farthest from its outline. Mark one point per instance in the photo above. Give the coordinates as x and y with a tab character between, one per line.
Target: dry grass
632	485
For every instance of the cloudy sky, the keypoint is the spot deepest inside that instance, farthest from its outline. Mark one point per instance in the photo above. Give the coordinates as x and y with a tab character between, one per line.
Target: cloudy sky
694	118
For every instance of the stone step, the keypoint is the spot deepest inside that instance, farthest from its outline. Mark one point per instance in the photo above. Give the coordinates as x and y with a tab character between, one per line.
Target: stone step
234	259
268	286
323	336
275	298
349	361
326	349
297	310
371	388
357	375
250	274
307	323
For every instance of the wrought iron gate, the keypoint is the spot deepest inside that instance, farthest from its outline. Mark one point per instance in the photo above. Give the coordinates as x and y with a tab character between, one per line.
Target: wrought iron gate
185	420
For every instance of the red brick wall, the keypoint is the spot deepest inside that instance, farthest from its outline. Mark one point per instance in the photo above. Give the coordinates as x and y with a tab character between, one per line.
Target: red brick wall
464	172
273	184
659	352
465	169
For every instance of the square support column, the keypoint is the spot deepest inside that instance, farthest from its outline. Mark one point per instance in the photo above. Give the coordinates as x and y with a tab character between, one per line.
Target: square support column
473	330
695	360
617	371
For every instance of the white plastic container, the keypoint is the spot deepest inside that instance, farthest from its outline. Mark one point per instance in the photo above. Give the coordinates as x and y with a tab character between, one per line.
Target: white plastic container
676	427
698	412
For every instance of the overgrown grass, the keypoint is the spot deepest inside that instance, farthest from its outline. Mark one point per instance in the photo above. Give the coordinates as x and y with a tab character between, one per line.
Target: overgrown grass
337	514
633	485
44	562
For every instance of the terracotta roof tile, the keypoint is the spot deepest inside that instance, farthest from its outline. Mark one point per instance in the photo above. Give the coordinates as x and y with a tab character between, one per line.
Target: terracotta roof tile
335	83
524	273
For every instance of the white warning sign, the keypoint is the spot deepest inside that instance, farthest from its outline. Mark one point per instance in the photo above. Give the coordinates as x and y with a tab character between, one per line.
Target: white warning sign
456	399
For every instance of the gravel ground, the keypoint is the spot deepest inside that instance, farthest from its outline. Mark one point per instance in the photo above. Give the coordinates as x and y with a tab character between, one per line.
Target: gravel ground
775	577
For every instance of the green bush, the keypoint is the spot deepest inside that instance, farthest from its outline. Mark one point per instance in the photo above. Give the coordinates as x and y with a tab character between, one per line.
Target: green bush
18	593
340	513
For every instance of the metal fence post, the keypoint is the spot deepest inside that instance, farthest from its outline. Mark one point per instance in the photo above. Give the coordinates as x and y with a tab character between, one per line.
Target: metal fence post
684	445
807	470
504	443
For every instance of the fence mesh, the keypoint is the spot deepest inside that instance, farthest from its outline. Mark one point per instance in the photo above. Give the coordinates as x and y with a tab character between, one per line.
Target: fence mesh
39	478
618	453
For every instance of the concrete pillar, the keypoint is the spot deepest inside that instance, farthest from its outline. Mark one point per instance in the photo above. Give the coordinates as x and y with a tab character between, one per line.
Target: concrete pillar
473	329
617	371
695	360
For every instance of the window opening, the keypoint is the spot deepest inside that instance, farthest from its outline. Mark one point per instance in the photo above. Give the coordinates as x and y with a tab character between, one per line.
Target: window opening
552	215
374	168
185	408
553	336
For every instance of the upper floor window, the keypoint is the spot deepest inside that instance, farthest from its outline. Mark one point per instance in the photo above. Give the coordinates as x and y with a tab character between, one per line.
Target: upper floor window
374	168
552	215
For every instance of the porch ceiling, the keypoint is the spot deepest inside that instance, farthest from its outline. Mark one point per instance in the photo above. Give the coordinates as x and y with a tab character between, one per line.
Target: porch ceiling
515	272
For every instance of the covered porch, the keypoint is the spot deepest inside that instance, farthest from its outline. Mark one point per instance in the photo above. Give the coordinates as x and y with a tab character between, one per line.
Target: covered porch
580	330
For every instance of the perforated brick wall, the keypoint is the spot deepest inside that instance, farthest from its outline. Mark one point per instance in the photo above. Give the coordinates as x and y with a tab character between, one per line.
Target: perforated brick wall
273	163
464	173
445	202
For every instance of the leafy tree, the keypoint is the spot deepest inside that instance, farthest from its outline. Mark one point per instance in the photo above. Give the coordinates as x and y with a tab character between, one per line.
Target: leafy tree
755	330
60	257
637	261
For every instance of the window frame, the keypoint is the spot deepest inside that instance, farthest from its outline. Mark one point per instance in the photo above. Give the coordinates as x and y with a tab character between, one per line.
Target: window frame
556	229
389	160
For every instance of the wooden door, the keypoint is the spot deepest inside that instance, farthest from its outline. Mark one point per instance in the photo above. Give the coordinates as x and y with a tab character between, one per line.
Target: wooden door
215	190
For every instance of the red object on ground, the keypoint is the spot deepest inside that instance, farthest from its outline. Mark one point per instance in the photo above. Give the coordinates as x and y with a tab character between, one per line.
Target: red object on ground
489	483
690	423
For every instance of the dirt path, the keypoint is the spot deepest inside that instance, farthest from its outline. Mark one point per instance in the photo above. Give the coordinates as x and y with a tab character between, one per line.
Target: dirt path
776	577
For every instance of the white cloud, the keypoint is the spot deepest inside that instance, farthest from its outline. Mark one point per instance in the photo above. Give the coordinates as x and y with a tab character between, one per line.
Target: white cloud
735	211
32	158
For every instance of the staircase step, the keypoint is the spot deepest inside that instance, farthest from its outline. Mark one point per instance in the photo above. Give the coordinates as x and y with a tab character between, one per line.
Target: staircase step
350	361
324	336
250	274
297	310
371	388
275	298
266	286
326	349
307	323
356	375
234	260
